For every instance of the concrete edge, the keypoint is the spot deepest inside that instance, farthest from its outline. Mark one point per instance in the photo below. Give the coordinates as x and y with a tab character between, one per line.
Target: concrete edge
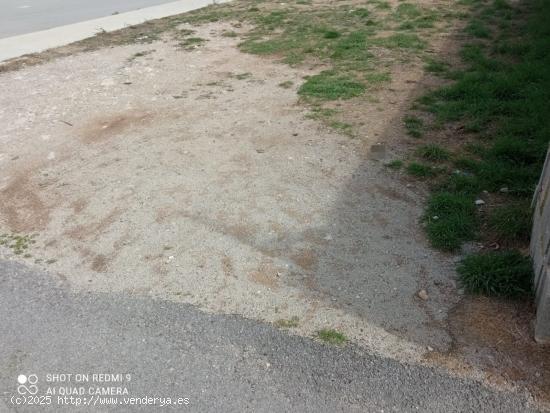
16	46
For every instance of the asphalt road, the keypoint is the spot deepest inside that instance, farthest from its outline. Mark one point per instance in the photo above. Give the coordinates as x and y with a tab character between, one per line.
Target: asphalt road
218	363
26	16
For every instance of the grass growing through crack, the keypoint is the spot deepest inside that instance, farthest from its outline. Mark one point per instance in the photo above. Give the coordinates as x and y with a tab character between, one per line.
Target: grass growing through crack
332	337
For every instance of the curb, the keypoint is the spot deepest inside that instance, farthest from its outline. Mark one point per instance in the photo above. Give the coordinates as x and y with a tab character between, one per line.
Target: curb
16	46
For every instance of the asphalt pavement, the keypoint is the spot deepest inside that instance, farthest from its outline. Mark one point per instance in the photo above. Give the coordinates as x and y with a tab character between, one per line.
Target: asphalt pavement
107	348
27	16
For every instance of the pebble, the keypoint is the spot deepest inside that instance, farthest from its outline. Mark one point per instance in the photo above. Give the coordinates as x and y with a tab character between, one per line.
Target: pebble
480	202
423	295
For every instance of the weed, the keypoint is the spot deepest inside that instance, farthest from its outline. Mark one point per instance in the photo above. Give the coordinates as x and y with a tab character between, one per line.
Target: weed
420	170
332	337
342	127
229	33
402	41
331	34
436	66
190	43
242	76
290	323
432	152
395	164
321	113
414	126
17	243
505	274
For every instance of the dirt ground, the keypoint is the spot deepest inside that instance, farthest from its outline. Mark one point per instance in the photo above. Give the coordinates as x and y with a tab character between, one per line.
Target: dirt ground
192	176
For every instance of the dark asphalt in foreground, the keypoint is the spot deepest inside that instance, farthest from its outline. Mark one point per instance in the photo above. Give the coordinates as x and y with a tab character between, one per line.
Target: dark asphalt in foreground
220	363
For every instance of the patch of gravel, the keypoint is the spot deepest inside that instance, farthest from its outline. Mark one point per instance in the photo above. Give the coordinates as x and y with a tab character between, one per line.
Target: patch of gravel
190	175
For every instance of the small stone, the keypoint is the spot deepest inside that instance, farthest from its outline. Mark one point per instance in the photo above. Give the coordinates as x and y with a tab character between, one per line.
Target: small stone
423	295
435	217
503	189
430	348
480	202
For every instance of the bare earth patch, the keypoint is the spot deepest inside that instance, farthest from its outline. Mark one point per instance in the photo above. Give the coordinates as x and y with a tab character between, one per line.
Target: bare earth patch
175	175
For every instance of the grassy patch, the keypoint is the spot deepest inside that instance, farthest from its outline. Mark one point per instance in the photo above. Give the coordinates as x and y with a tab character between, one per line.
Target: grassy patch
505	274
19	244
420	170
478	29
436	66
330	85
450	220
342	127
414	126
287	323
512	222
190	43
432	152
499	103
229	33
332	337
395	164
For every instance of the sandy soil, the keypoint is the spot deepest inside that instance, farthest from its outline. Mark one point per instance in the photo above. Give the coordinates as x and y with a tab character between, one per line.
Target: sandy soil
191	175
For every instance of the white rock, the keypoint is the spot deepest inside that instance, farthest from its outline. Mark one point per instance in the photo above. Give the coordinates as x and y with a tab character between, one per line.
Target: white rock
480	202
423	295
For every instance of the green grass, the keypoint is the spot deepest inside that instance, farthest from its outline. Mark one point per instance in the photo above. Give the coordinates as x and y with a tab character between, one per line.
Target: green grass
17	243
229	33
420	170
500	99
503	274
288	323
512	222
395	164
436	66
189	43
478	29
342	127
433	152
332	337
450	220
414	126
330	85
342	37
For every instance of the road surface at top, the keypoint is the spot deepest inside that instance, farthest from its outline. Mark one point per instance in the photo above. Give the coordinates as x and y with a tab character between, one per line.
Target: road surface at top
27	16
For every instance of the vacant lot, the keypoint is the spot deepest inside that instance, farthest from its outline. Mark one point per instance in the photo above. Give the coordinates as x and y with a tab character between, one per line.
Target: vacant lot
240	159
